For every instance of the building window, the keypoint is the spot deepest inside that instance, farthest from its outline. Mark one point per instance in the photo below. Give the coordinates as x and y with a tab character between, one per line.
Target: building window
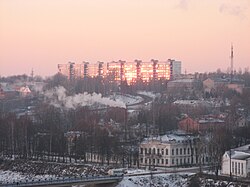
177	161
162	151
241	168
166	160
153	151
184	151
180	151
235	168
153	161
232	167
180	161
238	168
158	161
184	160
188	161
176	151
145	150
141	160
158	151
188	151
146	161
149	161
149	150
141	150
172	161
162	161
172	151
166	151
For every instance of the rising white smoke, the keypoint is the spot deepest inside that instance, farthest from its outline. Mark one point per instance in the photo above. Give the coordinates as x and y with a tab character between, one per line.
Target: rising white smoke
58	98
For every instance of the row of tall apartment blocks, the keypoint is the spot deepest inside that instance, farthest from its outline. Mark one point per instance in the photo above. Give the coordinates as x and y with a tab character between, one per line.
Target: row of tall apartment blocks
123	71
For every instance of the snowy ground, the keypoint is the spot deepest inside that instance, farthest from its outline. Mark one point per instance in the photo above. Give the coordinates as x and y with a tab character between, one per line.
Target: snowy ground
10	177
28	171
170	180
156	180
22	170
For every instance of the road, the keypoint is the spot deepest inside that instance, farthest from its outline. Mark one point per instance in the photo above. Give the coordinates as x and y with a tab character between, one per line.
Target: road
168	170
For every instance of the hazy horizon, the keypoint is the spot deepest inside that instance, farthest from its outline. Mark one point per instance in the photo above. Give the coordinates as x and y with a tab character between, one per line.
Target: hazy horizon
40	34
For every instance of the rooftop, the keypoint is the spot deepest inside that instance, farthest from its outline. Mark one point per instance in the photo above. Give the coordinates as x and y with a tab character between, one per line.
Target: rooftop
240	153
210	120
183	81
171	137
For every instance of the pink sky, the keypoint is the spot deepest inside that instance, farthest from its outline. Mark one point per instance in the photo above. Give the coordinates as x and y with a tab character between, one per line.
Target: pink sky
40	34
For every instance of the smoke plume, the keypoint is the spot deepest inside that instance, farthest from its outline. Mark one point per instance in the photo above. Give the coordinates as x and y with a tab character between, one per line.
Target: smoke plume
59	99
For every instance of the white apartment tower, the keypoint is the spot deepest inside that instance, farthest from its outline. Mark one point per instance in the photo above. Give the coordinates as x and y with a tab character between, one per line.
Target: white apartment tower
175	68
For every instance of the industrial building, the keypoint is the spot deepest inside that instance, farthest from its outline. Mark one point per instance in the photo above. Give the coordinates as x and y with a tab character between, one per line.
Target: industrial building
119	71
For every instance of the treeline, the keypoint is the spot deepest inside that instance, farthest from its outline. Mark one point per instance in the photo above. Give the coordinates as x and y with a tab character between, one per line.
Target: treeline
52	134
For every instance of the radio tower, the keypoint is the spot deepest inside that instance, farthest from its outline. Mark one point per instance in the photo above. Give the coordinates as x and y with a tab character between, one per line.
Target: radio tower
232	61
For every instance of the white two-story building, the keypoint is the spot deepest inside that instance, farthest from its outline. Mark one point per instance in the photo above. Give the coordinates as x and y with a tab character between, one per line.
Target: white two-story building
173	149
239	161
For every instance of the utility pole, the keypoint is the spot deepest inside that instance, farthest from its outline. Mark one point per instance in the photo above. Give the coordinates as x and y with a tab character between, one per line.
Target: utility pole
32	74
12	140
230	155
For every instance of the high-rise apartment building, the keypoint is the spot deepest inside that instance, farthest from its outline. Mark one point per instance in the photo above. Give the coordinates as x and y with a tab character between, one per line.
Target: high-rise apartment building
94	69
84	69
130	72
175	68
71	70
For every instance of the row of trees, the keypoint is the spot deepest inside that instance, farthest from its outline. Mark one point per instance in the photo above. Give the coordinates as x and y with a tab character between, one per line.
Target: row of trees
45	136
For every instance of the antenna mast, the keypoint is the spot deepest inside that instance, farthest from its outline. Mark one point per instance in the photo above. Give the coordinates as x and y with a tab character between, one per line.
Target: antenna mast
232	61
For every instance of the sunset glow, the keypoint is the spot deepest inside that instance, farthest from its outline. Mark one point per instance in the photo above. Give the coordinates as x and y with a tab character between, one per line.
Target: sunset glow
41	34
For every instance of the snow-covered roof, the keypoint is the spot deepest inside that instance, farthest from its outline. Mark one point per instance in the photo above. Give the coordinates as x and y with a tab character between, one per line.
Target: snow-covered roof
191	102
210	120
149	94
240	153
220	80
183	81
171	137
127	99
25	89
